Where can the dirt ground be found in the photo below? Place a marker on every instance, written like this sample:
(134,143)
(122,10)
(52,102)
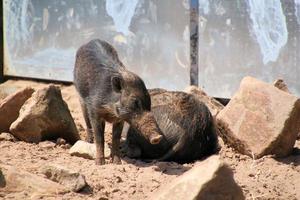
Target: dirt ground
(265,178)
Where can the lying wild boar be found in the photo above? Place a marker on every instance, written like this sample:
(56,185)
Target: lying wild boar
(187,125)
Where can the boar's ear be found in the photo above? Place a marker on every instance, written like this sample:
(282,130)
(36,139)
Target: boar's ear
(117,83)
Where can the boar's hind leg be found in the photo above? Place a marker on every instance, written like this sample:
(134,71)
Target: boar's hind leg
(171,154)
(117,131)
(90,137)
(98,125)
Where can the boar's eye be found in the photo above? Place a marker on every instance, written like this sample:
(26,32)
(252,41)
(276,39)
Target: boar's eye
(137,104)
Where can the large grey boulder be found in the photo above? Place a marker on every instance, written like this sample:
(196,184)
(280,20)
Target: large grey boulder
(10,106)
(45,116)
(260,119)
(209,179)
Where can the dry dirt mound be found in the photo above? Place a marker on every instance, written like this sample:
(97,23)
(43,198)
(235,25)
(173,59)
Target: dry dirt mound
(264,178)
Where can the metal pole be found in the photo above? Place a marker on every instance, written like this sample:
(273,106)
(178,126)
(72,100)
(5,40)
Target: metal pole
(194,19)
(1,42)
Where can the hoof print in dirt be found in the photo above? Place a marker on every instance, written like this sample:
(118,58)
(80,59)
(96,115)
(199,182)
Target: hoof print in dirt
(260,120)
(73,180)
(213,105)
(7,137)
(87,150)
(10,106)
(22,183)
(45,116)
(208,179)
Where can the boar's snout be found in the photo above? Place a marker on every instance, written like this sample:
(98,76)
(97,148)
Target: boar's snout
(146,124)
(155,139)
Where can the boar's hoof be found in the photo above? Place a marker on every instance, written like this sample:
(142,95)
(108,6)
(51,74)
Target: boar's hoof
(116,160)
(155,139)
(100,161)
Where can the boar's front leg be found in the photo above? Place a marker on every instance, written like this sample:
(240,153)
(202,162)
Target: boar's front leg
(98,126)
(117,131)
(90,136)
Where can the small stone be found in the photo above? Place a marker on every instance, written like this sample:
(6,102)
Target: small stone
(47,145)
(119,179)
(87,150)
(60,141)
(103,198)
(115,190)
(7,137)
(73,180)
(280,84)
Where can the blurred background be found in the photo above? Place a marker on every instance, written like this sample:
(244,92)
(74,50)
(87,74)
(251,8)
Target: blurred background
(235,38)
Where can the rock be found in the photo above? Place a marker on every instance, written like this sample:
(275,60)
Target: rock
(73,180)
(280,84)
(47,145)
(7,89)
(260,120)
(45,116)
(60,141)
(65,146)
(208,179)
(87,150)
(214,106)
(7,137)
(19,181)
(10,106)
(83,149)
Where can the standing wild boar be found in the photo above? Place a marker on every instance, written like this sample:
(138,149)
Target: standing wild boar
(109,92)
(187,126)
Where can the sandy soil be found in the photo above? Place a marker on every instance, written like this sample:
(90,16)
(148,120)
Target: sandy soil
(265,178)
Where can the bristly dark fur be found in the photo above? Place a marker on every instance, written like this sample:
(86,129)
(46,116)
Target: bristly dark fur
(96,63)
(187,125)
(109,92)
